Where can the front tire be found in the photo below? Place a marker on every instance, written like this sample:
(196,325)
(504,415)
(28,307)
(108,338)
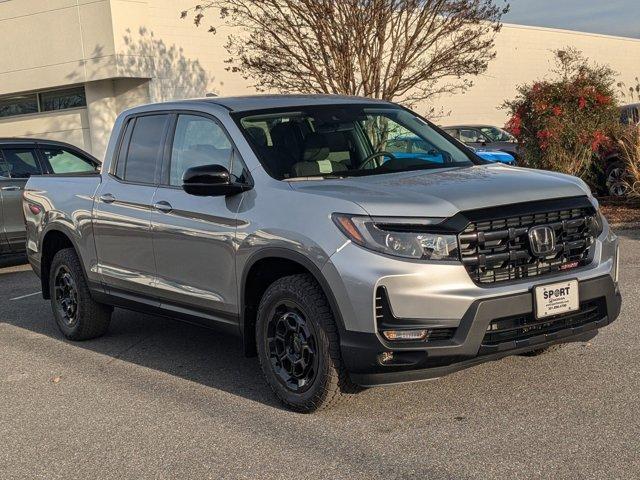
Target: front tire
(298,345)
(77,315)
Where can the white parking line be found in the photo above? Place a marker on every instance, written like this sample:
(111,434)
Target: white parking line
(25,296)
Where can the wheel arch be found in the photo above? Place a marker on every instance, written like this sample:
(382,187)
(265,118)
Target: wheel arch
(610,158)
(54,240)
(262,269)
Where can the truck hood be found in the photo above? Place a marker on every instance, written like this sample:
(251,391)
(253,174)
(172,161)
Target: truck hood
(443,193)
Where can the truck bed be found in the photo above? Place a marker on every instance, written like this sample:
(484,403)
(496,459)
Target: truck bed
(63,202)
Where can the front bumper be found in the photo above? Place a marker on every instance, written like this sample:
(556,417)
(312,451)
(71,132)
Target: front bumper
(431,294)
(361,350)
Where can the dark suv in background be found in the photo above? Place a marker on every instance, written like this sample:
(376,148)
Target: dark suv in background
(630,114)
(613,179)
(19,159)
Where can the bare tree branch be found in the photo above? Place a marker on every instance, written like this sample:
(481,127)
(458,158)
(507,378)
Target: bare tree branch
(409,50)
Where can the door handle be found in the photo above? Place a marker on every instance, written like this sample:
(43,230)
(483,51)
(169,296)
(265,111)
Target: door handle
(162,206)
(107,198)
(11,188)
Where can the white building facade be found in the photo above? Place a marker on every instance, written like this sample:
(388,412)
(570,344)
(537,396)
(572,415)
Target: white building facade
(68,67)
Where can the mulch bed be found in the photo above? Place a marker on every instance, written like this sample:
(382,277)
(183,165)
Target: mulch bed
(622,213)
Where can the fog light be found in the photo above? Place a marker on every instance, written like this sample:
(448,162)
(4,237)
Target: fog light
(385,357)
(397,335)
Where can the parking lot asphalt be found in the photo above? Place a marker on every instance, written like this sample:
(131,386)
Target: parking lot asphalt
(156,398)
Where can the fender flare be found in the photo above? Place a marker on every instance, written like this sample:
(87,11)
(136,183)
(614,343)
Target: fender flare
(292,255)
(69,234)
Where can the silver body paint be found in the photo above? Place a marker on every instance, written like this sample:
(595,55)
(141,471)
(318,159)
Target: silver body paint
(194,259)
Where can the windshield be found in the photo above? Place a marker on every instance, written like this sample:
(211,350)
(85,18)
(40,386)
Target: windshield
(347,140)
(497,134)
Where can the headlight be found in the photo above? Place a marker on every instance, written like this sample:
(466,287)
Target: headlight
(399,237)
(596,224)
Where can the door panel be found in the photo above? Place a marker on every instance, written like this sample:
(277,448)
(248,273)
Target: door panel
(13,216)
(122,213)
(194,250)
(122,228)
(4,248)
(193,237)
(16,166)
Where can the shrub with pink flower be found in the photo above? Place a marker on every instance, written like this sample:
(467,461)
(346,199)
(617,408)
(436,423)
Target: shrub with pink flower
(564,123)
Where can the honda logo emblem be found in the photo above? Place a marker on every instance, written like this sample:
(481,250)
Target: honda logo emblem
(542,241)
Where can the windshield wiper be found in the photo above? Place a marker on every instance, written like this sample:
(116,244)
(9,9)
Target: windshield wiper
(426,165)
(313,177)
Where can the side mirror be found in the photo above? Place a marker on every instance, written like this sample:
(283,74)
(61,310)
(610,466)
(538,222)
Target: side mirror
(210,181)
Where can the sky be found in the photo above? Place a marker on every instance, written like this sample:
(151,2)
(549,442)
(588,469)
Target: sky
(610,17)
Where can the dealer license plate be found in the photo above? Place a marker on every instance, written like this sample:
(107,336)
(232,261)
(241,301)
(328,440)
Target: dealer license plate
(556,298)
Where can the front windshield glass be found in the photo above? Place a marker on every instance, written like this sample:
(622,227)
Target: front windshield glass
(347,140)
(497,134)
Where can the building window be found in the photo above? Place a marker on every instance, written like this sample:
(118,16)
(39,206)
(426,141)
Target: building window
(18,105)
(42,101)
(61,99)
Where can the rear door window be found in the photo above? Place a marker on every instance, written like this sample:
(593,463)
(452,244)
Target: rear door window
(140,160)
(19,163)
(62,160)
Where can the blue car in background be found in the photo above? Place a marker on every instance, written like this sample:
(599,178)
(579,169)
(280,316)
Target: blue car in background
(494,155)
(414,147)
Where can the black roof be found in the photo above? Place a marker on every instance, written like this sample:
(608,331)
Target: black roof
(267,102)
(32,142)
(29,140)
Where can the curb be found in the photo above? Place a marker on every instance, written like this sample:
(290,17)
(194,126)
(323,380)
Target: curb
(625,226)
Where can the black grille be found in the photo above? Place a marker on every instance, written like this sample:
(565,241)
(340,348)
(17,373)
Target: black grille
(520,327)
(497,249)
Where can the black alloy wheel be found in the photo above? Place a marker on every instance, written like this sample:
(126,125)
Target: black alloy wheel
(77,314)
(66,296)
(291,345)
(299,347)
(617,180)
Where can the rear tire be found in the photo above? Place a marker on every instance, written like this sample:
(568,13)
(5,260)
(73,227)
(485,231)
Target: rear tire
(79,317)
(298,345)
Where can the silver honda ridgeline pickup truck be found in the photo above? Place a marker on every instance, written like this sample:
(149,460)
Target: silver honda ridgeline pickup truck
(342,255)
